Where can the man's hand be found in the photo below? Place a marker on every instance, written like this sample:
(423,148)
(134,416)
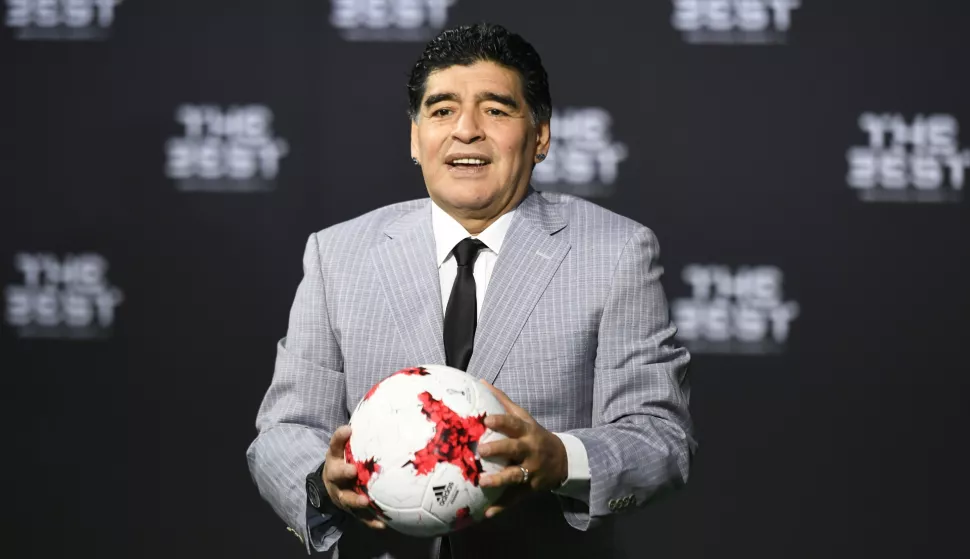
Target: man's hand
(528,445)
(340,478)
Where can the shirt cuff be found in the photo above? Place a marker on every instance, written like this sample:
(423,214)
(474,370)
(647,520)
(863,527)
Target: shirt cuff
(577,481)
(323,529)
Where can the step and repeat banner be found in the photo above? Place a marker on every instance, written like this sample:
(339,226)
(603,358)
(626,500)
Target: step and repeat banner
(803,162)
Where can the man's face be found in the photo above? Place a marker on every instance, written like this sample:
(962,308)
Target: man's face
(475,140)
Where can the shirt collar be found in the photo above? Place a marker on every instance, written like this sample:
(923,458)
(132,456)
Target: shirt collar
(448,232)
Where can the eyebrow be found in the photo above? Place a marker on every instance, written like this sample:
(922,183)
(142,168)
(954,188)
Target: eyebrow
(506,100)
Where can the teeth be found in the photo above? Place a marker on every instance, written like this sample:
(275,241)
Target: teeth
(468,161)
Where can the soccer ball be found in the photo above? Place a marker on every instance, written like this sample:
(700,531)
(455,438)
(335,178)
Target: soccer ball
(414,439)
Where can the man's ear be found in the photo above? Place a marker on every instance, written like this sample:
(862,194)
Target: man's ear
(415,152)
(543,137)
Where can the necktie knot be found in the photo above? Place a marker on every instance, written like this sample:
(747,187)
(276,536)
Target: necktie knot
(467,251)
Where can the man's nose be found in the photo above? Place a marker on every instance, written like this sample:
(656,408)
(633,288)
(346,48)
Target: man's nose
(468,127)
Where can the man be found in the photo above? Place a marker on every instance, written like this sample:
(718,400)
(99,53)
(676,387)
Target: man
(555,301)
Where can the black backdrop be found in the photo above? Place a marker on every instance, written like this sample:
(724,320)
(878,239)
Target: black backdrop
(147,277)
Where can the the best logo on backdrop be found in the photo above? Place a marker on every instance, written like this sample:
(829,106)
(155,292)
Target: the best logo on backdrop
(61,20)
(62,297)
(389,20)
(225,149)
(734,22)
(740,310)
(908,159)
(583,159)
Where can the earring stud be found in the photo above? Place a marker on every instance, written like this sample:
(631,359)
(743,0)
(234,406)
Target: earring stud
(414,160)
(541,156)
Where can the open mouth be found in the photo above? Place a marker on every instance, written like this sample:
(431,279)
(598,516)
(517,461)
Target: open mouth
(467,161)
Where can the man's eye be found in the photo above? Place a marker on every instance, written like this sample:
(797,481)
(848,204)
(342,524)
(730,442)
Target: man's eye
(497,112)
(441,112)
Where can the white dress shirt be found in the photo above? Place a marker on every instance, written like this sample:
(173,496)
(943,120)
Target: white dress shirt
(448,233)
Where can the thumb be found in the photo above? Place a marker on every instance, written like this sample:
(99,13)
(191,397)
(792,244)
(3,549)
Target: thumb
(339,441)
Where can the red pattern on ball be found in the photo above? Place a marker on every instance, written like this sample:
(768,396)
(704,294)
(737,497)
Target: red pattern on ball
(453,442)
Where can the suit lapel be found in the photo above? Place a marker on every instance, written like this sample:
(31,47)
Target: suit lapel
(530,256)
(405,264)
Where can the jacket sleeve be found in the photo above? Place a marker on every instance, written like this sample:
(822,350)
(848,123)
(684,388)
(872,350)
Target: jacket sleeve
(303,406)
(641,442)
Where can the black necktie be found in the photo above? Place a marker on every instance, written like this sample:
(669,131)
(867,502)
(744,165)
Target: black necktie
(461,318)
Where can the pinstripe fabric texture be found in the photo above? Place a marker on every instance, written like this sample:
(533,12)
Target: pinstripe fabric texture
(574,328)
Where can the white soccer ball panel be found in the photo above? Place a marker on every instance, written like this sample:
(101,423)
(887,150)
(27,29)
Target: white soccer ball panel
(487,402)
(399,488)
(453,387)
(415,522)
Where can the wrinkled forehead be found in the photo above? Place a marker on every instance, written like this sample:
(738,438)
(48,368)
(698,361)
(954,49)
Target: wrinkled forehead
(474,79)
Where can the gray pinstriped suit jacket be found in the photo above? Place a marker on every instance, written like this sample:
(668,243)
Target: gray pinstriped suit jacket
(574,327)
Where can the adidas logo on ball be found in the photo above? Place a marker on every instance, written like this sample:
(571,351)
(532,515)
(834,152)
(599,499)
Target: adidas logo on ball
(441,492)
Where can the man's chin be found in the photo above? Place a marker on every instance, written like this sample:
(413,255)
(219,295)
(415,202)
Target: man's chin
(467,200)
(473,208)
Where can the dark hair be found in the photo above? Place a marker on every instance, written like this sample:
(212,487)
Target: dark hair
(483,42)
